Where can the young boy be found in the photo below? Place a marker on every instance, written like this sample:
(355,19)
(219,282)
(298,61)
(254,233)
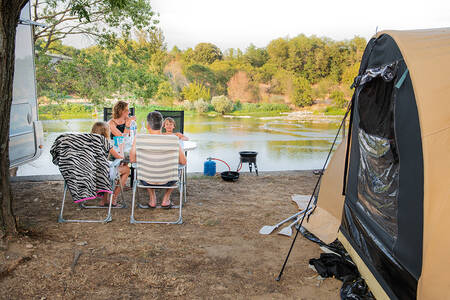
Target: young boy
(169,126)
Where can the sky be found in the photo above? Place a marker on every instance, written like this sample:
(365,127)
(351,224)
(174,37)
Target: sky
(238,23)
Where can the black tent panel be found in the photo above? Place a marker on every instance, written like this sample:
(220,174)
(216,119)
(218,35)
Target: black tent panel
(383,210)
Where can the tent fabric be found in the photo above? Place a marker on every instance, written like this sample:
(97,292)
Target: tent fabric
(326,219)
(427,55)
(414,263)
(390,244)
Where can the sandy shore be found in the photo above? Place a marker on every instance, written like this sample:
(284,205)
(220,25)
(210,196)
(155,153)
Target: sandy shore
(216,253)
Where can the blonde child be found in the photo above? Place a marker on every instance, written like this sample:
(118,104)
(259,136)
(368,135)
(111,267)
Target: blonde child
(102,128)
(169,126)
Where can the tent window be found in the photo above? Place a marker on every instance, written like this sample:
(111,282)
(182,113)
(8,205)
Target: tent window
(379,164)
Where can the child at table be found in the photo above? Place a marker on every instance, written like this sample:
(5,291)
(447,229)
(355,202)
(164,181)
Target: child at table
(102,128)
(169,126)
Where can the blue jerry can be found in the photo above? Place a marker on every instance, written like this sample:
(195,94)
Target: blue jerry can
(209,168)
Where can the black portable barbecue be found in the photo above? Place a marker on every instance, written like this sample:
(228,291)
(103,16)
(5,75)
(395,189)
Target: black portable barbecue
(250,158)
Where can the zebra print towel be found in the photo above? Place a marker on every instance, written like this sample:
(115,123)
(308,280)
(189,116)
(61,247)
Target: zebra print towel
(82,161)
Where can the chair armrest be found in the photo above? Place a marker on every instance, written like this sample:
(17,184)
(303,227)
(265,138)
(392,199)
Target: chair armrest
(113,168)
(116,162)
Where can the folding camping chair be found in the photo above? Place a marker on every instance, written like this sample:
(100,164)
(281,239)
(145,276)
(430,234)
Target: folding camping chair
(178,117)
(157,162)
(83,169)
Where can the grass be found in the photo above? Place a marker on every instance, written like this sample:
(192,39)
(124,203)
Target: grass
(330,111)
(334,111)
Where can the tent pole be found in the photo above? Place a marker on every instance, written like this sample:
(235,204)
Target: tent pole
(314,191)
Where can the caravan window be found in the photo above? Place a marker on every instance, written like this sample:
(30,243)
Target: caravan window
(379,164)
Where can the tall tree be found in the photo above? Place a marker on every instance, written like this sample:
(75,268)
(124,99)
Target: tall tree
(9,17)
(257,57)
(207,53)
(98,19)
(87,16)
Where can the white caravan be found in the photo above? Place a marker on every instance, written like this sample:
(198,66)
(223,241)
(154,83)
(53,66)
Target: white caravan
(25,133)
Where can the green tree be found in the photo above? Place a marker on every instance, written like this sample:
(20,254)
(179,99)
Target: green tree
(339,99)
(278,51)
(302,93)
(165,90)
(119,12)
(202,74)
(195,91)
(349,74)
(265,73)
(256,57)
(223,71)
(222,104)
(101,20)
(207,53)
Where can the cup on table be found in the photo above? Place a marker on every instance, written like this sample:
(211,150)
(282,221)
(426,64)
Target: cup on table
(119,144)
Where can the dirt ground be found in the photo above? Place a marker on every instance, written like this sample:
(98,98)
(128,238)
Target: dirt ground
(216,253)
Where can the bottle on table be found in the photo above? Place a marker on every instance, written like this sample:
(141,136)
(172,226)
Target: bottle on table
(133,129)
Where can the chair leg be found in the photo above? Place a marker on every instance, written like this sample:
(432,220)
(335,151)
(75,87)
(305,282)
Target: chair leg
(185,186)
(113,184)
(133,203)
(181,191)
(62,220)
(60,217)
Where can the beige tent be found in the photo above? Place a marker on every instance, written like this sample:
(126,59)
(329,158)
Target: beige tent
(394,219)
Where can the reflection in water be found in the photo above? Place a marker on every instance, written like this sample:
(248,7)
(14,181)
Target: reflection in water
(281,144)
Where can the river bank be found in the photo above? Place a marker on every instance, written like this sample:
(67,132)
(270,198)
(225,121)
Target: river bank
(216,253)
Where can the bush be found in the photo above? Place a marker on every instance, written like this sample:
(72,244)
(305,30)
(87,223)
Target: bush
(188,105)
(339,99)
(222,104)
(334,111)
(302,93)
(65,111)
(201,106)
(165,90)
(264,107)
(195,91)
(237,105)
(324,87)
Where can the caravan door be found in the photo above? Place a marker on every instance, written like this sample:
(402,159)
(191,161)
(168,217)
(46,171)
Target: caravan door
(25,133)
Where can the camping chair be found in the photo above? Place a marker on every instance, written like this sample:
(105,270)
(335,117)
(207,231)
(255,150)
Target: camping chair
(157,162)
(85,172)
(106,220)
(178,116)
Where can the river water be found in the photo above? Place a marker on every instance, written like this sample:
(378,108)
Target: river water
(282,143)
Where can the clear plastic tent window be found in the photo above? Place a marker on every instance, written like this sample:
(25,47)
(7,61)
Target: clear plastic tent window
(378,180)
(378,174)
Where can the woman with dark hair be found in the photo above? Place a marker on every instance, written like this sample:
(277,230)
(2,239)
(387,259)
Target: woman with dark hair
(121,121)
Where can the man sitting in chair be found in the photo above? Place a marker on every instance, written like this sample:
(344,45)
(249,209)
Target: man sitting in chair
(154,126)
